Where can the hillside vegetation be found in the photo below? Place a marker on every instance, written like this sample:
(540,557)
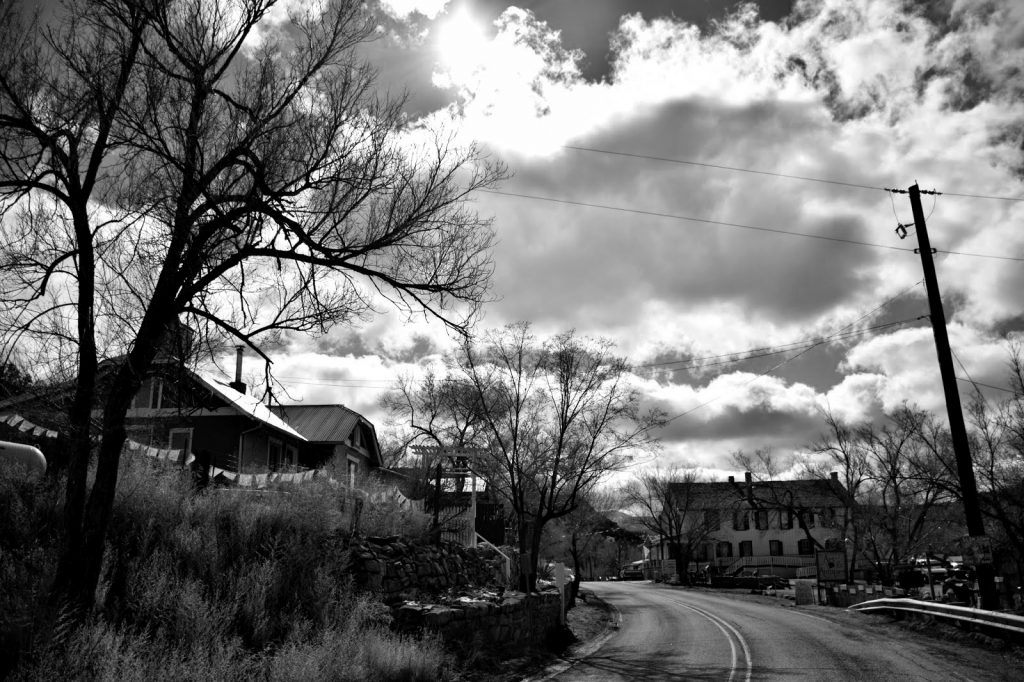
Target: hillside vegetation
(222,585)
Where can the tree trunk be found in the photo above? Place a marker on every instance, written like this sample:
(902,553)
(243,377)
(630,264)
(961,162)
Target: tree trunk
(81,561)
(79,441)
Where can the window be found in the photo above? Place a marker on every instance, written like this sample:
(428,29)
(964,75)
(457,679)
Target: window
(741,520)
(723,549)
(775,547)
(828,517)
(761,519)
(291,455)
(712,519)
(181,439)
(807,515)
(746,548)
(353,471)
(156,391)
(785,519)
(274,451)
(805,547)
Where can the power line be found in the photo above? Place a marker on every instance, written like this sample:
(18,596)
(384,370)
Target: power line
(981,383)
(980,255)
(695,220)
(785,347)
(981,196)
(722,223)
(765,373)
(697,364)
(721,167)
(807,178)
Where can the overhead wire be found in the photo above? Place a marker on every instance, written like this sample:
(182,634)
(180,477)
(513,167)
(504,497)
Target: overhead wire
(675,216)
(722,167)
(738,169)
(799,343)
(723,223)
(697,364)
(759,376)
(803,352)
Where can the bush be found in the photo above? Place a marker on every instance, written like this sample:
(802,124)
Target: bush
(222,585)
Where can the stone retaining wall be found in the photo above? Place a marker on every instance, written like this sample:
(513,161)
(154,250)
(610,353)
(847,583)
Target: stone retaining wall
(517,620)
(393,566)
(443,589)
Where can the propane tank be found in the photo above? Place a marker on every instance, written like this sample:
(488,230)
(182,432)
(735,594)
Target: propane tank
(23,456)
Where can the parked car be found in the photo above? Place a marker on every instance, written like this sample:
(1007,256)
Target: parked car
(632,572)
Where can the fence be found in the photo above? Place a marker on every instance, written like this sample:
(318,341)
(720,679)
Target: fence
(1005,625)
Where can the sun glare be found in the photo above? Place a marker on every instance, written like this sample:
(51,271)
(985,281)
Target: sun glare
(461,39)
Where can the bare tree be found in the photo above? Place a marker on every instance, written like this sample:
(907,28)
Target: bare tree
(668,502)
(191,161)
(897,481)
(553,418)
(847,456)
(998,454)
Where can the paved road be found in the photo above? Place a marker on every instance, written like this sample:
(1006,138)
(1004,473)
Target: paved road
(679,634)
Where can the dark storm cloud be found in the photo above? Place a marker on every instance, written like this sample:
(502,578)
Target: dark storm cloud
(757,424)
(620,259)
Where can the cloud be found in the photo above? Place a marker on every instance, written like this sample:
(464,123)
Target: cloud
(402,9)
(879,93)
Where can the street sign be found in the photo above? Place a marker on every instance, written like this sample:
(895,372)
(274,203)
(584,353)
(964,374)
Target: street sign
(976,550)
(831,566)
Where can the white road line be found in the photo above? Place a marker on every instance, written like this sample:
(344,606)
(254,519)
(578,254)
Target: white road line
(722,624)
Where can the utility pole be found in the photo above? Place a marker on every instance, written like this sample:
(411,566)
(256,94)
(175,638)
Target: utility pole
(957,428)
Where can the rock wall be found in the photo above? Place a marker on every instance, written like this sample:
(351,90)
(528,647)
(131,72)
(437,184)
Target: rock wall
(516,620)
(455,592)
(397,568)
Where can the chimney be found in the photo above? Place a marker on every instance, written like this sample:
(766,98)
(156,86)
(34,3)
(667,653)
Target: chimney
(237,383)
(732,479)
(834,476)
(750,487)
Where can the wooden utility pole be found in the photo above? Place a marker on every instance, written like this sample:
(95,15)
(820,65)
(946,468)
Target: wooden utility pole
(957,428)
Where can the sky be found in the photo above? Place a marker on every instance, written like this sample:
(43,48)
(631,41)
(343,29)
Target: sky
(696,179)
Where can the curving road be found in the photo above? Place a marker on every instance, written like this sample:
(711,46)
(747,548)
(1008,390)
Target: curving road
(682,634)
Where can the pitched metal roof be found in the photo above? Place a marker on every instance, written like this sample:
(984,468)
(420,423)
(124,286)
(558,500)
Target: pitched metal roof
(247,405)
(321,423)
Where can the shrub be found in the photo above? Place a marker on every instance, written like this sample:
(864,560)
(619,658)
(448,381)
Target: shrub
(221,585)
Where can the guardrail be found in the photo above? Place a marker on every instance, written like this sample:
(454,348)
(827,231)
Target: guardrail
(1006,625)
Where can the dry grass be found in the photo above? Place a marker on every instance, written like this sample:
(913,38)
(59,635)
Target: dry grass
(215,586)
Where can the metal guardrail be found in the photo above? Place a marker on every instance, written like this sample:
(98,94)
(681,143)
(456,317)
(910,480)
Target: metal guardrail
(1007,624)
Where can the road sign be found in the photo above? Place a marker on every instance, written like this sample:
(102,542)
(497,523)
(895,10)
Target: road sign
(831,566)
(976,550)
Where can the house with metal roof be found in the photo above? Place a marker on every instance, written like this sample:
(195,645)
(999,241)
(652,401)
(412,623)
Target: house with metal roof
(336,438)
(214,421)
(184,415)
